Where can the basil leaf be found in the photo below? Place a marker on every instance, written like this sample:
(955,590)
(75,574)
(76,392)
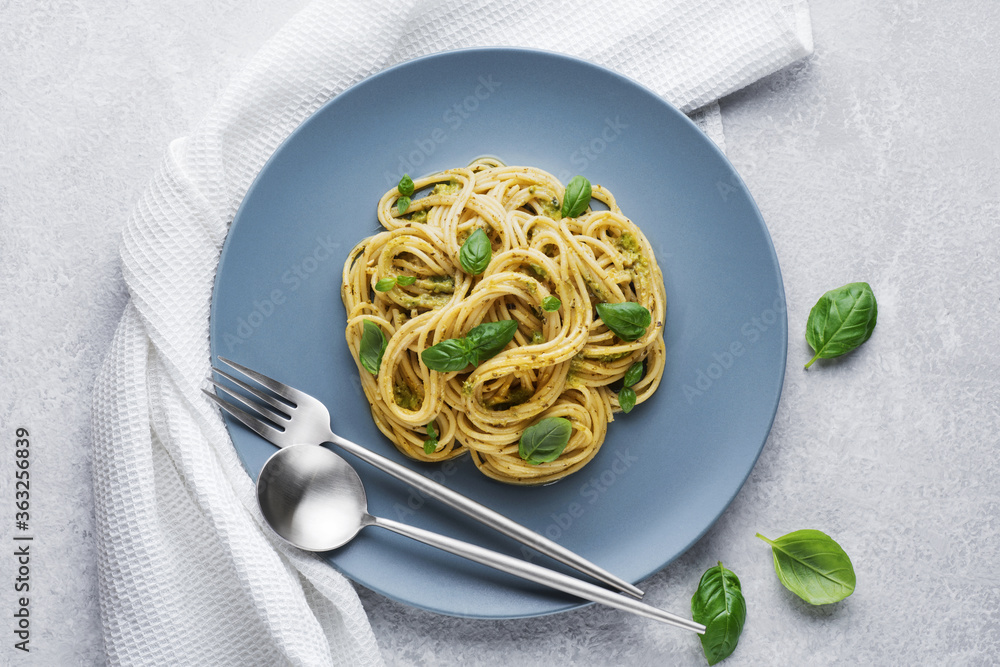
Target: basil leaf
(633,374)
(629,319)
(576,199)
(431,443)
(810,564)
(545,441)
(626,399)
(482,342)
(841,320)
(449,355)
(476,253)
(489,338)
(405,186)
(550,304)
(718,604)
(385,284)
(402,204)
(373,344)
(405,281)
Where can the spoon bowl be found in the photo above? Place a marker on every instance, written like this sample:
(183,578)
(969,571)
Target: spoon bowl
(312,498)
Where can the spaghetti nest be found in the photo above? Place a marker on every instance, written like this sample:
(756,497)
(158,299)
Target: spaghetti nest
(560,363)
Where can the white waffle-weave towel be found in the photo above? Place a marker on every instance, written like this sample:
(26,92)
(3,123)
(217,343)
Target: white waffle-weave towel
(187,573)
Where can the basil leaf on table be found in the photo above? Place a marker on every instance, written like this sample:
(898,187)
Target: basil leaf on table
(373,344)
(626,399)
(841,320)
(718,604)
(629,320)
(551,304)
(481,343)
(576,199)
(405,186)
(476,253)
(545,441)
(812,565)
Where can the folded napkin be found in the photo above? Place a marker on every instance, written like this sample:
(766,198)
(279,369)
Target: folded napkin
(188,573)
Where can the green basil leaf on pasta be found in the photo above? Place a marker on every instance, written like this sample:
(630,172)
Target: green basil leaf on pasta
(482,342)
(405,186)
(545,441)
(405,281)
(812,565)
(431,443)
(449,355)
(576,199)
(402,204)
(633,374)
(476,253)
(841,320)
(373,344)
(550,304)
(489,338)
(718,604)
(385,284)
(628,320)
(626,399)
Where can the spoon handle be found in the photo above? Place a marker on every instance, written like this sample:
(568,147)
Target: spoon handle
(537,574)
(485,515)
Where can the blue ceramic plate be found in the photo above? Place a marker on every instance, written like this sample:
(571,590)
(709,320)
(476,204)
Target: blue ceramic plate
(667,470)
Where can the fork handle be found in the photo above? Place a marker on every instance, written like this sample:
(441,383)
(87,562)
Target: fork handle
(486,515)
(537,574)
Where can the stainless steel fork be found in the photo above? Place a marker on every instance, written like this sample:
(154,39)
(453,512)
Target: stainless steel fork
(293,417)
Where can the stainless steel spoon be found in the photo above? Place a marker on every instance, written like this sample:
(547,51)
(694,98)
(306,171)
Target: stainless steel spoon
(314,500)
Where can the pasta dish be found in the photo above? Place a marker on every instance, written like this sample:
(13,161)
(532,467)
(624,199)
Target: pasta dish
(503,314)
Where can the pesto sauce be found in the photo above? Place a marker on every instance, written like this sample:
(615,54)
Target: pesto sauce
(430,301)
(610,357)
(406,397)
(628,243)
(437,284)
(630,246)
(539,271)
(515,397)
(449,188)
(595,290)
(552,209)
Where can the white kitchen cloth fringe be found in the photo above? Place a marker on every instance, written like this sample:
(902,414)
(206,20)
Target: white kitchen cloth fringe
(188,575)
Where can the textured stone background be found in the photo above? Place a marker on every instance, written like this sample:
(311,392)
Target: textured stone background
(877,159)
